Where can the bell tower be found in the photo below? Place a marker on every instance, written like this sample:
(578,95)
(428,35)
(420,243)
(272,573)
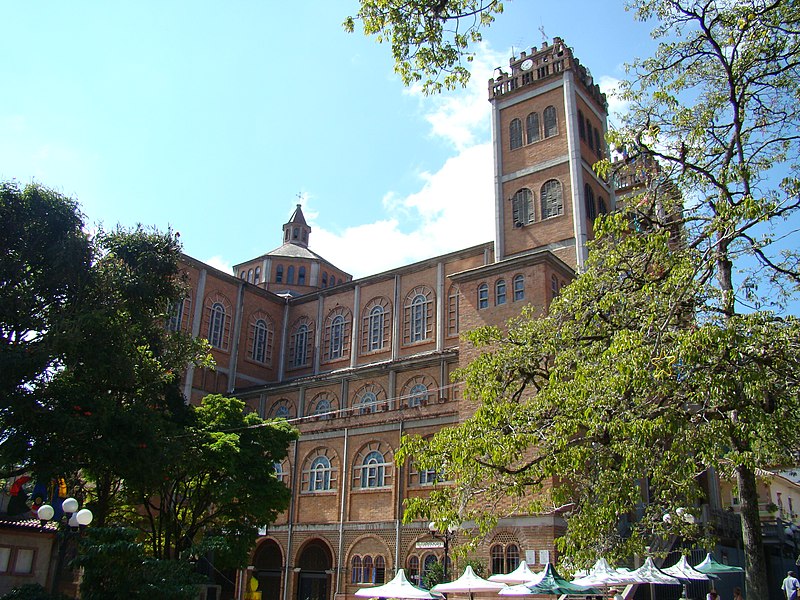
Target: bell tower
(549,120)
(296,231)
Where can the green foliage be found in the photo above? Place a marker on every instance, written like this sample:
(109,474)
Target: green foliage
(218,486)
(429,38)
(433,575)
(116,565)
(32,591)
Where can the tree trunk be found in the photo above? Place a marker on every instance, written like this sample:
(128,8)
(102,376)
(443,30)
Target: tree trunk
(755,562)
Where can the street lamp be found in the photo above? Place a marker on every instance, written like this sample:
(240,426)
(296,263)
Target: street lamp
(72,521)
(446,536)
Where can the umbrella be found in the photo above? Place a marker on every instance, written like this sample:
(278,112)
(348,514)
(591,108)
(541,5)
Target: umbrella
(399,587)
(650,573)
(468,583)
(547,582)
(683,570)
(604,575)
(709,565)
(521,574)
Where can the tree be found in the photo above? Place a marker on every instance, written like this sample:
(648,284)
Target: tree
(662,361)
(217,486)
(429,38)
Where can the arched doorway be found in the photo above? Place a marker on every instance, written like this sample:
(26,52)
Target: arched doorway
(315,564)
(267,562)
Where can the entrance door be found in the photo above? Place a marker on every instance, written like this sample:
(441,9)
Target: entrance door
(315,562)
(312,586)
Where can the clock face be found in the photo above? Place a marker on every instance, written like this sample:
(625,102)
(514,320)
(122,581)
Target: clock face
(526,64)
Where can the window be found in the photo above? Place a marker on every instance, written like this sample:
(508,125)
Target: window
(483,296)
(216,325)
(453,298)
(515,133)
(500,292)
(23,561)
(282,411)
(337,338)
(250,276)
(175,315)
(375,325)
(299,344)
(581,126)
(320,479)
(280,473)
(257,277)
(519,288)
(427,564)
(419,320)
(504,559)
(550,122)
(290,274)
(552,202)
(243,274)
(418,395)
(512,557)
(324,279)
(591,212)
(372,470)
(532,127)
(5,558)
(498,559)
(279,274)
(323,408)
(295,233)
(522,205)
(589,137)
(553,286)
(301,276)
(368,403)
(380,570)
(601,206)
(355,570)
(597,147)
(260,334)
(413,570)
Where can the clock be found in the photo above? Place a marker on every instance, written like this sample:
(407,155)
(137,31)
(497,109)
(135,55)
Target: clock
(526,64)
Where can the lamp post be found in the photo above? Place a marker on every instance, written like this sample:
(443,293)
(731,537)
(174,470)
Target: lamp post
(72,521)
(446,536)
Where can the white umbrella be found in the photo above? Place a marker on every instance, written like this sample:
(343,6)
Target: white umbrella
(604,575)
(683,570)
(399,587)
(650,573)
(468,583)
(521,574)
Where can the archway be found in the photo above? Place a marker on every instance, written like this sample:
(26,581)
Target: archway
(267,562)
(315,563)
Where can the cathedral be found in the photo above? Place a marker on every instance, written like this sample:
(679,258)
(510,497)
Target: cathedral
(355,364)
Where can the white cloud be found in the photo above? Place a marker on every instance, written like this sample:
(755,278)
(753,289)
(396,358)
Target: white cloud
(218,262)
(616,106)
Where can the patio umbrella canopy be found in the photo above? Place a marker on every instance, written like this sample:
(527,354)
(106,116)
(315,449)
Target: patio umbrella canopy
(547,582)
(650,573)
(709,565)
(683,570)
(521,574)
(604,575)
(468,583)
(399,587)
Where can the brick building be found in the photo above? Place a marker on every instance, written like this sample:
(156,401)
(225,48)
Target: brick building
(356,364)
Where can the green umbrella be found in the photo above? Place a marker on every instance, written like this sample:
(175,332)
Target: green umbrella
(710,566)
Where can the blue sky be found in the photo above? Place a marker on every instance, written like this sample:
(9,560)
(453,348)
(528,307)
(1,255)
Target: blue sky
(217,118)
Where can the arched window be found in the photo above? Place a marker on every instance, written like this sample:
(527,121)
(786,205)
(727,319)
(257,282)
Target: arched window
(552,201)
(295,233)
(301,276)
(413,570)
(519,287)
(498,559)
(418,395)
(323,408)
(512,557)
(243,274)
(216,325)
(337,337)
(174,317)
(550,122)
(355,569)
(366,569)
(279,473)
(260,341)
(324,279)
(591,212)
(419,318)
(376,318)
(320,479)
(281,412)
(380,570)
(601,206)
(589,137)
(368,403)
(553,286)
(373,470)
(300,345)
(483,296)
(581,126)
(427,564)
(515,133)
(453,298)
(532,127)
(522,205)
(500,292)
(597,147)
(290,274)
(257,277)
(250,276)
(279,274)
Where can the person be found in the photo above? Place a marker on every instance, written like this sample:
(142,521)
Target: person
(712,595)
(737,593)
(790,586)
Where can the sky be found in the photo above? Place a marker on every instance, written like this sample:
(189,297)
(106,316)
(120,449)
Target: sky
(215,119)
